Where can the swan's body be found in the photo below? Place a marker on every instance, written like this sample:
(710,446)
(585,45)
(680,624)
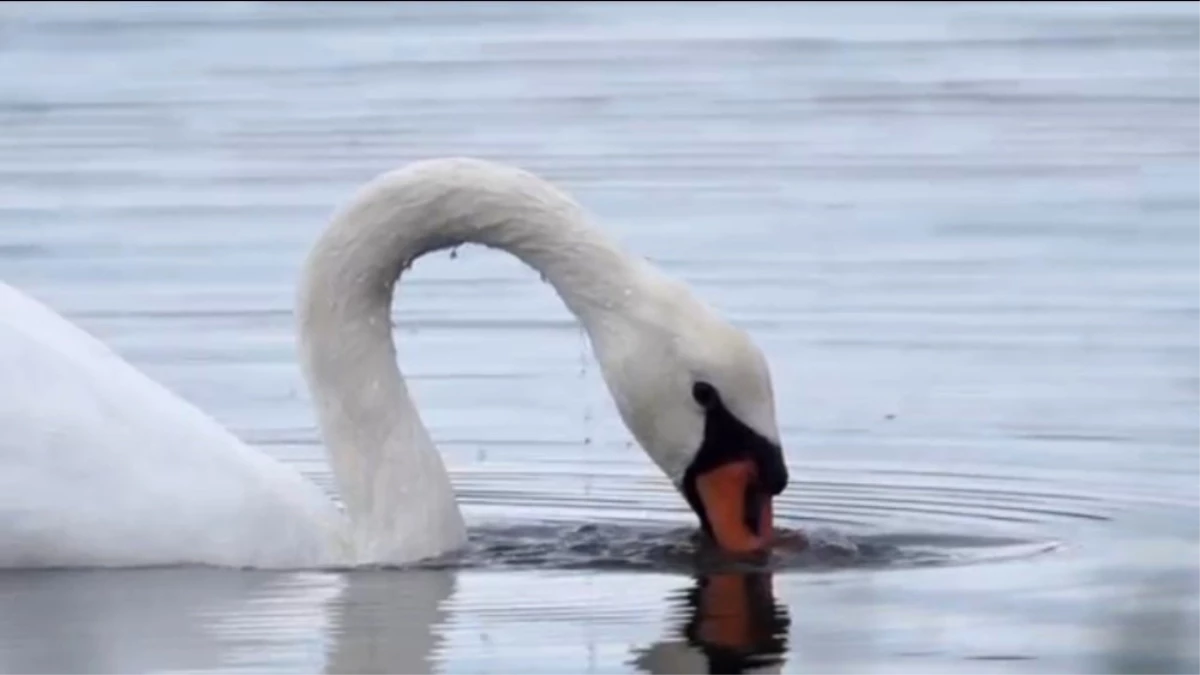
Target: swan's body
(99,465)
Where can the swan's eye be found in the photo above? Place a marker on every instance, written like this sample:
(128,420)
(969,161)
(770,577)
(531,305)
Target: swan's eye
(706,395)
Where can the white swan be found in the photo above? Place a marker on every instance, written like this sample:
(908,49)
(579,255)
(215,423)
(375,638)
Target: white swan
(101,466)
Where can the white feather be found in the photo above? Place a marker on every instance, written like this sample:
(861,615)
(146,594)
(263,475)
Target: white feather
(99,465)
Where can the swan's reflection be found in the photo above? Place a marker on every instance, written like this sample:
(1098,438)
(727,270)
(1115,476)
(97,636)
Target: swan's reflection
(192,619)
(732,624)
(385,621)
(143,620)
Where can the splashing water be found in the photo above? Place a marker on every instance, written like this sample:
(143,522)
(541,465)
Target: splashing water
(660,548)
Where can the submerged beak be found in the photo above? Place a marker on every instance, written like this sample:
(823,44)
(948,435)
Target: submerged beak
(737,510)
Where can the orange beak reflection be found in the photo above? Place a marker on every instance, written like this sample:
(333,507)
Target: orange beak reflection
(738,512)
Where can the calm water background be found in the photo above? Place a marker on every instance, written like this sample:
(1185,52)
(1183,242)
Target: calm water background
(965,236)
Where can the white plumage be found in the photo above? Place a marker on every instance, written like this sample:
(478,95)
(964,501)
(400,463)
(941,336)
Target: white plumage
(101,466)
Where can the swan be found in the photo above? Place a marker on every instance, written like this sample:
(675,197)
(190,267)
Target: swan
(100,466)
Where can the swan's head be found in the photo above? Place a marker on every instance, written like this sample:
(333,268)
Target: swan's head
(696,393)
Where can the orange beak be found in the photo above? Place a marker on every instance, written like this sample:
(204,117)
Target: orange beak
(730,496)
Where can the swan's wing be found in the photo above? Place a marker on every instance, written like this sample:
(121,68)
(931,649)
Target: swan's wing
(100,465)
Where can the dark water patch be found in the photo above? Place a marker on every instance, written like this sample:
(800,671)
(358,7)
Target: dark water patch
(19,251)
(665,548)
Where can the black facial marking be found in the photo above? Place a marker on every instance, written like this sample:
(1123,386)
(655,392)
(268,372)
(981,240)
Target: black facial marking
(706,395)
(728,439)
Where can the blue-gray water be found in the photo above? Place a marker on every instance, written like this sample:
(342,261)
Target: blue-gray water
(964,234)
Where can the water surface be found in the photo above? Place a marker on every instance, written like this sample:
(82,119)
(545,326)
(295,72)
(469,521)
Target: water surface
(965,235)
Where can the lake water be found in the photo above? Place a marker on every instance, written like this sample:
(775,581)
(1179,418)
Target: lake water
(965,235)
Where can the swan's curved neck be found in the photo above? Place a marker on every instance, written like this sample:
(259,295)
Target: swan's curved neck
(392,480)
